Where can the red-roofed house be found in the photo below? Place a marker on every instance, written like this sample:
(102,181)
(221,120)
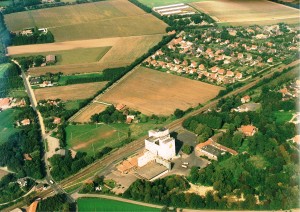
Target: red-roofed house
(201,67)
(120,107)
(248,130)
(56,120)
(214,69)
(230,74)
(239,75)
(245,99)
(25,122)
(270,60)
(4,103)
(221,72)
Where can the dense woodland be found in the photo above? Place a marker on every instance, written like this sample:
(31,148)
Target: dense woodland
(26,141)
(65,166)
(57,202)
(11,190)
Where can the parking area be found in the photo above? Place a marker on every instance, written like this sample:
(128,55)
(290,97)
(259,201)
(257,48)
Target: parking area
(123,181)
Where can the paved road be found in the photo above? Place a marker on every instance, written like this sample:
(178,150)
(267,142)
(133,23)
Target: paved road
(134,146)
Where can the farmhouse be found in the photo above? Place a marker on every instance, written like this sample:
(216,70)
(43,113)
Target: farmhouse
(248,130)
(56,120)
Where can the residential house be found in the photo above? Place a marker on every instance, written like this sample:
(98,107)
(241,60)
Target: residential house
(25,122)
(201,67)
(248,130)
(239,75)
(22,182)
(176,61)
(27,156)
(193,64)
(240,56)
(245,99)
(214,69)
(270,60)
(229,74)
(120,107)
(56,120)
(221,72)
(5,103)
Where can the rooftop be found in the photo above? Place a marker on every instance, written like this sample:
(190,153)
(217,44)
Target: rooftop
(212,150)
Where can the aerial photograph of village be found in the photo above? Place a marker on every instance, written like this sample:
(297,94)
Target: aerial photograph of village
(149,105)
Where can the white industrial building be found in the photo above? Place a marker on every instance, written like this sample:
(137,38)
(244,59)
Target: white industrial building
(160,147)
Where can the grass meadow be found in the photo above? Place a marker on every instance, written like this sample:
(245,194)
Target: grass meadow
(98,204)
(75,56)
(7,124)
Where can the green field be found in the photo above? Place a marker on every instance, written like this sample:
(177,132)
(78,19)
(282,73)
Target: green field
(73,105)
(75,56)
(156,3)
(91,138)
(283,117)
(7,124)
(63,79)
(98,204)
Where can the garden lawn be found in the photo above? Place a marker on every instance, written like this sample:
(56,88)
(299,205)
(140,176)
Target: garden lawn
(73,105)
(98,204)
(283,117)
(7,124)
(63,79)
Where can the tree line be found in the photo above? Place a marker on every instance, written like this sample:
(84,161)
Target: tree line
(36,38)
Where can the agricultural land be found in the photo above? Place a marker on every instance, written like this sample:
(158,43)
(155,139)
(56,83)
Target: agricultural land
(99,19)
(97,204)
(248,12)
(153,92)
(85,115)
(69,92)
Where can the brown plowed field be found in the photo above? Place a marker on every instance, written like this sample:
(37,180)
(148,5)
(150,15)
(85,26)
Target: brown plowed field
(69,92)
(154,92)
(103,19)
(248,12)
(92,109)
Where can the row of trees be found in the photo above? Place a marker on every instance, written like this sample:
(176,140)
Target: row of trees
(109,115)
(36,38)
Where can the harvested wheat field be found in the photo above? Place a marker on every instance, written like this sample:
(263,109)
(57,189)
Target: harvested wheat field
(248,12)
(69,92)
(89,110)
(89,21)
(123,52)
(154,92)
